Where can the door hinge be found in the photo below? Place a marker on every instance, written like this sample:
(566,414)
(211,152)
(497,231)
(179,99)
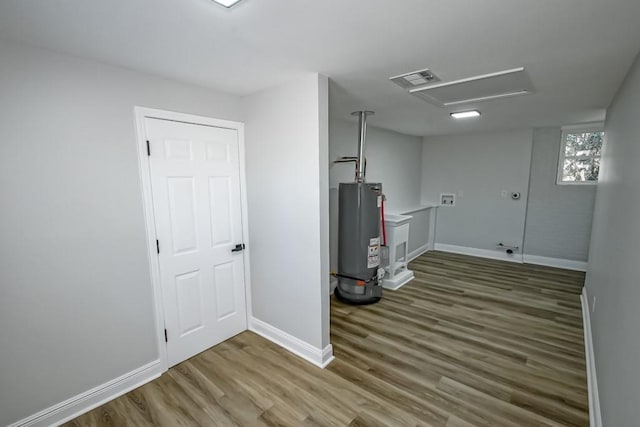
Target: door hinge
(166,339)
(158,245)
(148,148)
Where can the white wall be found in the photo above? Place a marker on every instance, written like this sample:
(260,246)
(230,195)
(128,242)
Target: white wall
(421,231)
(394,159)
(558,216)
(614,270)
(477,168)
(287,194)
(76,304)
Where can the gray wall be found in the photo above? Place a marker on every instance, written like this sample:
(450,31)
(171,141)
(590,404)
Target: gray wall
(288,215)
(558,216)
(613,278)
(394,159)
(76,304)
(478,167)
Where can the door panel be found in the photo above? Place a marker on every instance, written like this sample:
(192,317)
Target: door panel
(221,201)
(176,149)
(223,278)
(195,180)
(183,215)
(188,296)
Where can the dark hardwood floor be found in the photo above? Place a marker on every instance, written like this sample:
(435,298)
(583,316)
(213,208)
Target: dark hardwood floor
(469,342)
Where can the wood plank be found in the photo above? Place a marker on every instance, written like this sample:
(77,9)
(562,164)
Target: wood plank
(469,342)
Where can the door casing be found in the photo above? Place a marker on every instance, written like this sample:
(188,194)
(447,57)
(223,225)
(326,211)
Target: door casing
(140,114)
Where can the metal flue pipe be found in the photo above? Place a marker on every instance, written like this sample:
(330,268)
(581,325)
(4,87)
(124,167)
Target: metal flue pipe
(362,136)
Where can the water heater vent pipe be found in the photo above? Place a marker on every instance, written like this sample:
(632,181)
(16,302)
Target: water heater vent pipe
(362,136)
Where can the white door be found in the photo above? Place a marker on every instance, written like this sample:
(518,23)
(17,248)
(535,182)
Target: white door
(195,181)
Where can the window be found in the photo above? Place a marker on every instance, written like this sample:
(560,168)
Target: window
(580,153)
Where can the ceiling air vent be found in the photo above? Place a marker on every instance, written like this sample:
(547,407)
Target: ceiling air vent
(502,84)
(415,79)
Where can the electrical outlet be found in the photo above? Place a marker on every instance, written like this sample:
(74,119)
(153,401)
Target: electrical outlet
(593,305)
(447,199)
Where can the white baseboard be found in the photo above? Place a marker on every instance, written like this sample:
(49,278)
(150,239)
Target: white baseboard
(327,356)
(416,253)
(314,355)
(567,264)
(482,253)
(595,418)
(501,255)
(399,280)
(84,402)
(332,285)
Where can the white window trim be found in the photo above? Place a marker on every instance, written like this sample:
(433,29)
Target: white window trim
(588,127)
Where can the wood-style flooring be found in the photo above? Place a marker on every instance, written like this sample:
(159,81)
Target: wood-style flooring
(469,342)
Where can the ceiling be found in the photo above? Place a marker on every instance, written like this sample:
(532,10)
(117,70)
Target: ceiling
(576,52)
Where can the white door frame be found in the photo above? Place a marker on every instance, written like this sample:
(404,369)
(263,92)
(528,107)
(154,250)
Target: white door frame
(145,180)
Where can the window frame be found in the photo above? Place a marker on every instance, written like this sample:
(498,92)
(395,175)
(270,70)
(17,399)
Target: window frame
(589,127)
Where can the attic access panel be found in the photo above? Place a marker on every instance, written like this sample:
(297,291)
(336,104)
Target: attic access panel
(485,87)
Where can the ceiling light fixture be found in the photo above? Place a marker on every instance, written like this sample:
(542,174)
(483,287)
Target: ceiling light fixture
(465,114)
(227,3)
